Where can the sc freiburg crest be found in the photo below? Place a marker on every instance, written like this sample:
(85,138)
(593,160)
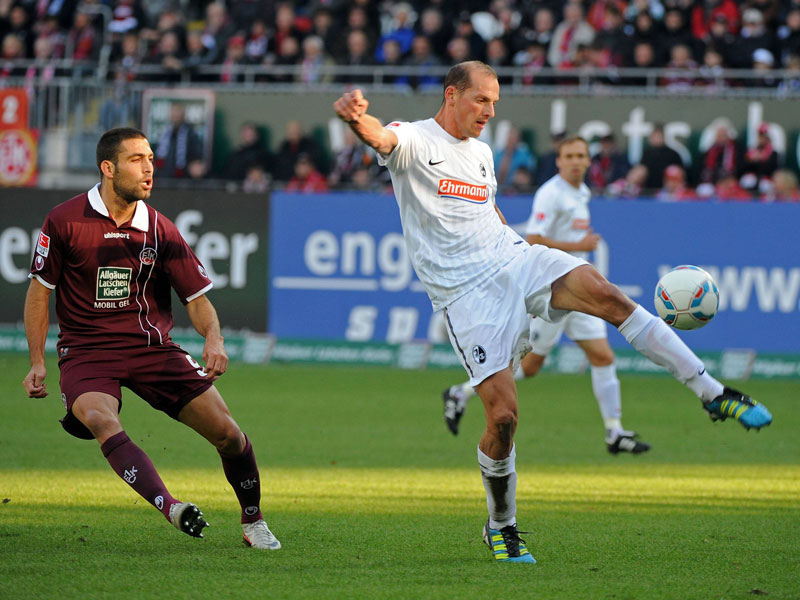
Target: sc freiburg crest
(479,354)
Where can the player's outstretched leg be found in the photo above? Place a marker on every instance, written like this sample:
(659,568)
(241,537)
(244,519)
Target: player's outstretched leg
(455,403)
(186,517)
(654,339)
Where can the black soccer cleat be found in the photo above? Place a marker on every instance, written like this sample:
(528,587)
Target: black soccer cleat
(454,405)
(188,518)
(627,442)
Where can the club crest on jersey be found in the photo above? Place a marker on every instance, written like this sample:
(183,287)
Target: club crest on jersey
(461,190)
(38,262)
(479,354)
(148,256)
(483,170)
(43,244)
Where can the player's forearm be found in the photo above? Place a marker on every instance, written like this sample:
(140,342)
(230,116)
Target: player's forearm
(204,318)
(36,319)
(551,243)
(370,131)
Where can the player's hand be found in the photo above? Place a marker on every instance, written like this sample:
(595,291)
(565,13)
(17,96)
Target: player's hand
(589,242)
(351,106)
(215,357)
(34,382)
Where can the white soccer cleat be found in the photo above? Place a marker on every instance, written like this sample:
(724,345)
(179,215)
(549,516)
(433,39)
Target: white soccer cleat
(258,535)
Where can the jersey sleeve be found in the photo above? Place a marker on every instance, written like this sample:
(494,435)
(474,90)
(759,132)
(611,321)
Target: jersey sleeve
(47,255)
(186,273)
(543,213)
(405,151)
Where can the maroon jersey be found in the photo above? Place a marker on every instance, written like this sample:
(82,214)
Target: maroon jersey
(113,283)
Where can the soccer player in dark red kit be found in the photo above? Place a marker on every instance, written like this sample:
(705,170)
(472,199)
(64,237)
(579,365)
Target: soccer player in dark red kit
(113,259)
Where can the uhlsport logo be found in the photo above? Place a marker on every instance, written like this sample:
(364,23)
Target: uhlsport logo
(148,256)
(479,354)
(461,190)
(159,502)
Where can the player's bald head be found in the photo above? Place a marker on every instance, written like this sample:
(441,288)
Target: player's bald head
(460,75)
(108,147)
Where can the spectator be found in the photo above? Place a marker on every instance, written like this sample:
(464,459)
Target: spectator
(11,52)
(515,154)
(704,13)
(323,26)
(722,40)
(680,75)
(49,29)
(611,37)
(259,43)
(791,82)
(607,166)
(759,162)
(644,57)
(289,25)
(674,188)
(306,178)
(169,21)
(676,33)
(645,31)
(288,55)
(127,16)
(546,167)
(721,159)
(532,60)
(235,58)
(358,55)
(197,57)
(357,20)
(711,71)
(497,57)
(19,25)
(432,25)
(256,180)
(728,189)
(753,35)
(657,157)
(398,27)
(423,60)
(521,183)
(543,27)
(294,144)
(250,152)
(650,7)
(458,50)
(81,38)
(218,28)
(763,62)
(169,58)
(784,187)
(568,35)
(315,62)
(244,13)
(177,146)
(789,36)
(122,108)
(351,157)
(631,186)
(465,30)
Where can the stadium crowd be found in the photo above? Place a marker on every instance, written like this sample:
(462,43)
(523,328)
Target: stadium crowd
(696,43)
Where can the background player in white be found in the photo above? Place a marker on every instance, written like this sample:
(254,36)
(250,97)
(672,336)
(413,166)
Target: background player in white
(487,280)
(560,219)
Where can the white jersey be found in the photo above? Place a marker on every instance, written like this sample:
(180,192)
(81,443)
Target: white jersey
(445,189)
(561,212)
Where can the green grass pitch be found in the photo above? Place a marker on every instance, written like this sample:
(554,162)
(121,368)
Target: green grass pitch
(373,498)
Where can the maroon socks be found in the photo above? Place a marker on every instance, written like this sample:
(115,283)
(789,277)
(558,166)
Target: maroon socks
(134,466)
(242,473)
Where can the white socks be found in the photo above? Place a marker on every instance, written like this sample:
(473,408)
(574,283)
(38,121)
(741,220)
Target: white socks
(654,339)
(606,390)
(500,482)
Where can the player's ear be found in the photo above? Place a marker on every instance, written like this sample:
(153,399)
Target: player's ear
(108,169)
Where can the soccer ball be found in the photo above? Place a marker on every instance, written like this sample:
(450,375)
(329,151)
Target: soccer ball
(687,297)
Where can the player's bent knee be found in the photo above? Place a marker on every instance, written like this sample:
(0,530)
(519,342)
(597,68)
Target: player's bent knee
(229,440)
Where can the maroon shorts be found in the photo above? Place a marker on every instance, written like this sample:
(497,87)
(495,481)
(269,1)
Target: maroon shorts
(165,376)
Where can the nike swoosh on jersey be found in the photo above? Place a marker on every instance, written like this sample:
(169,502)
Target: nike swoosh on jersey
(433,164)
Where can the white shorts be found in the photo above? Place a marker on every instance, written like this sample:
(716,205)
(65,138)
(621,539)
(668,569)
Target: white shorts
(578,326)
(489,325)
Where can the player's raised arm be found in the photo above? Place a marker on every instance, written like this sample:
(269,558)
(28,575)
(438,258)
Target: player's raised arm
(352,109)
(37,318)
(205,321)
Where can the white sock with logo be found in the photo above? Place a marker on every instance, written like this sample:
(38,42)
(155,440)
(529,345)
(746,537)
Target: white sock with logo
(605,385)
(654,339)
(500,483)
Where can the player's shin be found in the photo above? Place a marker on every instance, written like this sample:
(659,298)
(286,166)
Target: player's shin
(135,467)
(241,471)
(655,340)
(500,482)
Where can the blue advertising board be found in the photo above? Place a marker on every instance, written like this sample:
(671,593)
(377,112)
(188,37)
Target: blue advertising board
(339,268)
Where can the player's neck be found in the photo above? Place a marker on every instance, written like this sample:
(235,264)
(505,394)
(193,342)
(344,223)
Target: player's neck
(118,209)
(575,184)
(448,123)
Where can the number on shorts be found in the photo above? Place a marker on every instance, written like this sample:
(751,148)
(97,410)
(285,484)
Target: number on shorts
(200,370)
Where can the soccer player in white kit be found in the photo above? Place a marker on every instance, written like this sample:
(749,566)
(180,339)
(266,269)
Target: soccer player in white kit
(560,219)
(487,279)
